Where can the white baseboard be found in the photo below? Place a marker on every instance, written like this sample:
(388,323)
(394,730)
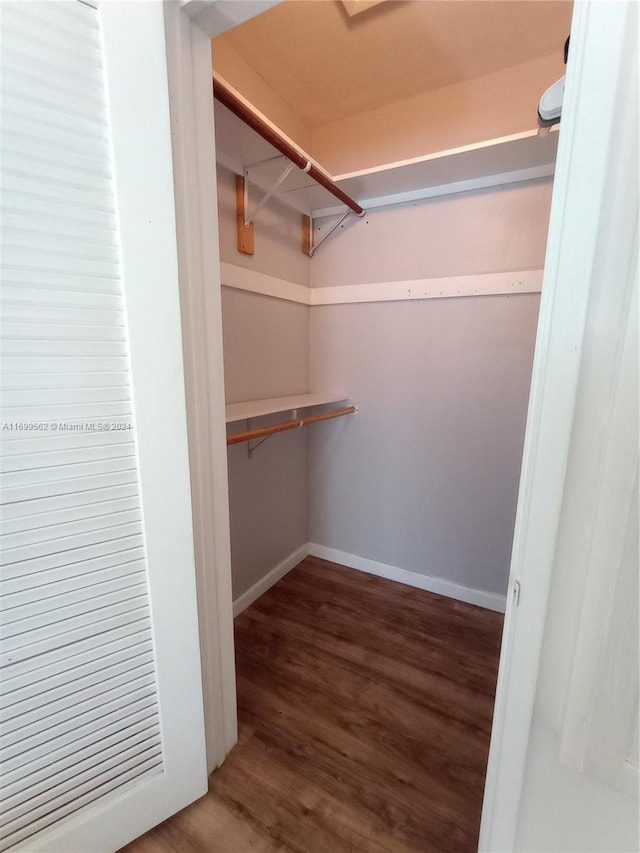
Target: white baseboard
(279,571)
(440,586)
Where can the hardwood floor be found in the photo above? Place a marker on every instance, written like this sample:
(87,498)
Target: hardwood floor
(365,713)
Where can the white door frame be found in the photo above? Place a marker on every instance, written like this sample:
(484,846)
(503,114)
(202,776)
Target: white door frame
(191,107)
(587,130)
(578,220)
(189,28)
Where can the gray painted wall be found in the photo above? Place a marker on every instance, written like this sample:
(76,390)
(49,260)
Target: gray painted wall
(266,354)
(268,505)
(266,346)
(496,230)
(425,476)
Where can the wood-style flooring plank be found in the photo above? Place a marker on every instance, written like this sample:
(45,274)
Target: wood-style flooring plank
(364,709)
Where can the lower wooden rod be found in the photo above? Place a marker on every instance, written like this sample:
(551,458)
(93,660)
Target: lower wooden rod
(326,416)
(264,432)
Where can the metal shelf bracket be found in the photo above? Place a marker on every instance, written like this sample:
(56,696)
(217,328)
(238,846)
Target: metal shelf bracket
(250,216)
(253,444)
(309,245)
(245,218)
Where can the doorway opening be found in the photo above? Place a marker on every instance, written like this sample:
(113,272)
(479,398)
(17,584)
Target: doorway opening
(422,314)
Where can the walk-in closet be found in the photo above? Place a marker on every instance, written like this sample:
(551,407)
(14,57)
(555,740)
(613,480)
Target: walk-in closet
(399,302)
(319,436)
(420,312)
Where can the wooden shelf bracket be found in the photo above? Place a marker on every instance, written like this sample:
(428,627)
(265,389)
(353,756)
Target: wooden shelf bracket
(244,229)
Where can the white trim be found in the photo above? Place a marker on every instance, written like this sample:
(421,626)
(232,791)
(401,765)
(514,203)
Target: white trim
(590,126)
(217,16)
(532,173)
(194,175)
(272,577)
(439,586)
(240,278)
(449,287)
(602,689)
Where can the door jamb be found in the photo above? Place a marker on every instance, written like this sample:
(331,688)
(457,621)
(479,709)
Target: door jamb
(588,128)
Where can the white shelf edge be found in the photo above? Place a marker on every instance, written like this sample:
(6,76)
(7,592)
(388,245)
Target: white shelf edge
(528,174)
(439,155)
(274,405)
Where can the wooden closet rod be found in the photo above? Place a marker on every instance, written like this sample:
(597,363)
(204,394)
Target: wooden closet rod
(262,432)
(265,432)
(326,416)
(223,94)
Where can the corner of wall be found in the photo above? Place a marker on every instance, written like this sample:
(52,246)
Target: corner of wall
(228,62)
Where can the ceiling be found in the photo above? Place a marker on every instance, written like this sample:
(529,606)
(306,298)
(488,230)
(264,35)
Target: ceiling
(327,65)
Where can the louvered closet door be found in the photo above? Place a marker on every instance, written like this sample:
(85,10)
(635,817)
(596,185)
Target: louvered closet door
(100,728)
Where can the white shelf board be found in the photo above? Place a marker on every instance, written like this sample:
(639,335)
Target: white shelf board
(504,160)
(274,405)
(507,159)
